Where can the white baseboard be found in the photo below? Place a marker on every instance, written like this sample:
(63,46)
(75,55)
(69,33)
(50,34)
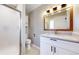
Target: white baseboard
(35,46)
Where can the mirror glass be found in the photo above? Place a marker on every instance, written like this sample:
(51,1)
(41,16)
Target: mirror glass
(58,20)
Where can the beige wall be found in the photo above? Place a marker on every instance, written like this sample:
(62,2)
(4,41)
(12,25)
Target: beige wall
(36,23)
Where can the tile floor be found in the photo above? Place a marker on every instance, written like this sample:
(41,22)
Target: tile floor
(32,51)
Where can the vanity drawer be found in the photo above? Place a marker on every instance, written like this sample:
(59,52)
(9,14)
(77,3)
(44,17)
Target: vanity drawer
(71,46)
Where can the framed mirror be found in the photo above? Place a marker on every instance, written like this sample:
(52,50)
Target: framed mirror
(61,20)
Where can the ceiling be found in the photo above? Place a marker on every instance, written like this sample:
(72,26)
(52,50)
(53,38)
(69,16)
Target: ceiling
(31,7)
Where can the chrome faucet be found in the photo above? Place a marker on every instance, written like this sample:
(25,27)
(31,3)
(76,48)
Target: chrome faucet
(55,32)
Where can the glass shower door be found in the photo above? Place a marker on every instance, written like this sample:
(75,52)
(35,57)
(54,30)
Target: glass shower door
(9,31)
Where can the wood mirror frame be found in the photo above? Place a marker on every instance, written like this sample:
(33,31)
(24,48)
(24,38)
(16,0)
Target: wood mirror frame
(70,26)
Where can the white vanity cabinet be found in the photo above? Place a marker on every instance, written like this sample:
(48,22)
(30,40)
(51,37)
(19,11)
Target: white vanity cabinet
(56,46)
(45,46)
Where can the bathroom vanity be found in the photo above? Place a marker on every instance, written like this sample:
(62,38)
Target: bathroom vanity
(59,44)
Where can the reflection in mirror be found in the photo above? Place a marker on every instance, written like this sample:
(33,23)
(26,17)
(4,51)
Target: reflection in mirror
(58,21)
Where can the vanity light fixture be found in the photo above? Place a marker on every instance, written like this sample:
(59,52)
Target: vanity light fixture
(63,5)
(48,11)
(55,8)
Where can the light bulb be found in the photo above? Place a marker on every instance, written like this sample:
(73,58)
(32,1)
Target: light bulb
(58,7)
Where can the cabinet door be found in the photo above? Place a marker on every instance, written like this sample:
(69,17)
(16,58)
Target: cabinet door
(45,46)
(61,51)
(70,46)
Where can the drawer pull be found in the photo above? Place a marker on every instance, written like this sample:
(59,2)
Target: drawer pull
(51,48)
(54,49)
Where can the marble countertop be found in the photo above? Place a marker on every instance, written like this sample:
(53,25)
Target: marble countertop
(65,37)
